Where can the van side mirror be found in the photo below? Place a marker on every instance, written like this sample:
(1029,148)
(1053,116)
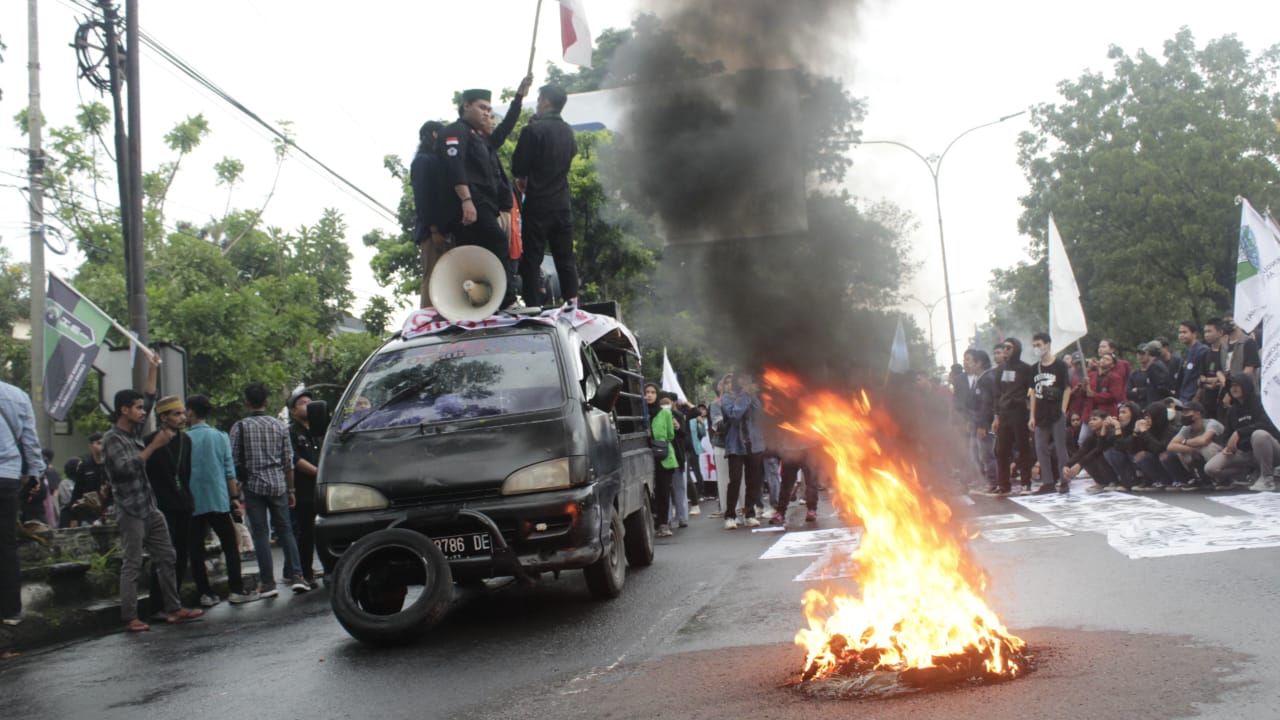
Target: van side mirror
(607,393)
(317,418)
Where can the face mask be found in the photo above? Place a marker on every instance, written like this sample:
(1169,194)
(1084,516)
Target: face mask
(666,407)
(1171,413)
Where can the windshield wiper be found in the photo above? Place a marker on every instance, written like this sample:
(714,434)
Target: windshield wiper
(397,397)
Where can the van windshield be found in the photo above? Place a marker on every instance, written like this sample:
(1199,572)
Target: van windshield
(443,382)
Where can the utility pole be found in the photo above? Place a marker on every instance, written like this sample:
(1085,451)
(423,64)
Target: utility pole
(137,269)
(35,183)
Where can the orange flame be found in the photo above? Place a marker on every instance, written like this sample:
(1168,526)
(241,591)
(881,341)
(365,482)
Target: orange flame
(921,593)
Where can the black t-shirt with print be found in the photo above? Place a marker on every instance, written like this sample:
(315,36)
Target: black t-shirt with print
(1050,383)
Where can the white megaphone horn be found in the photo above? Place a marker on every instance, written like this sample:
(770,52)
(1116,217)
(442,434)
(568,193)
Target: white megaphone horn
(468,283)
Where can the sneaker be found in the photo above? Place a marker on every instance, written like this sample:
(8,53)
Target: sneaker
(1095,488)
(989,490)
(1115,486)
(266,593)
(1142,488)
(1006,493)
(298,585)
(1064,488)
(1177,485)
(1157,486)
(1224,485)
(730,524)
(811,516)
(242,598)
(695,510)
(14,621)
(777,519)
(665,531)
(208,600)
(1044,489)
(1264,484)
(1026,490)
(315,584)
(751,522)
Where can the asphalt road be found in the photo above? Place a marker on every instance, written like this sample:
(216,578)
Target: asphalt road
(705,632)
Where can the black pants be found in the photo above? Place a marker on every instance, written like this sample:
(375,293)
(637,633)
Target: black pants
(661,494)
(187,555)
(1013,437)
(789,471)
(753,467)
(224,527)
(543,230)
(10,572)
(304,521)
(487,233)
(1100,470)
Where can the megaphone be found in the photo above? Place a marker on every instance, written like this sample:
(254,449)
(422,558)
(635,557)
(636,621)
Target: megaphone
(468,283)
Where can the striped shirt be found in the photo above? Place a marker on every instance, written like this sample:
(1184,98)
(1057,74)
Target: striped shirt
(260,444)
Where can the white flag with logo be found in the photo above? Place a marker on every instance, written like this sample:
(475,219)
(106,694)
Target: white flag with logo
(670,382)
(898,360)
(1066,316)
(1257,263)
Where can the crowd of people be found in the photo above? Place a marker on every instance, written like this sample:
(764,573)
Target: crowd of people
(728,451)
(167,491)
(1188,421)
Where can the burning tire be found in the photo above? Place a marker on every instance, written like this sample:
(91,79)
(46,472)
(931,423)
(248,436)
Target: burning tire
(391,587)
(640,534)
(606,575)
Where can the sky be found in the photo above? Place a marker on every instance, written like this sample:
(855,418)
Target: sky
(357,80)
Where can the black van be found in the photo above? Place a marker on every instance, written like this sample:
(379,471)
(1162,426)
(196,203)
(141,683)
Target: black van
(467,454)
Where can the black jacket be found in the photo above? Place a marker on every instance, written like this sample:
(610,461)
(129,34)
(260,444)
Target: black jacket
(431,202)
(1013,382)
(169,472)
(984,398)
(468,161)
(544,155)
(1247,414)
(1147,386)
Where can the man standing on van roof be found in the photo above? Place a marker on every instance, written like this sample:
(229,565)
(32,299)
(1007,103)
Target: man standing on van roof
(541,165)
(473,179)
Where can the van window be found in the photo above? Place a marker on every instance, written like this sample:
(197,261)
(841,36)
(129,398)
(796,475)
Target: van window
(444,382)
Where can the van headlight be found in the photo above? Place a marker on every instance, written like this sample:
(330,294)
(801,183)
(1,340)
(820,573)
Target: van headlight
(342,497)
(555,474)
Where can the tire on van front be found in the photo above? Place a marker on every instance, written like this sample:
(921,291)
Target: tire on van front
(371,585)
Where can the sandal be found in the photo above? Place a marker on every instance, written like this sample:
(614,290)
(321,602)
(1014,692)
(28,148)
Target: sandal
(137,626)
(184,615)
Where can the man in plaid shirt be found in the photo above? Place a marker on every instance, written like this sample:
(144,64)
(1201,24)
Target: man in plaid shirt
(261,450)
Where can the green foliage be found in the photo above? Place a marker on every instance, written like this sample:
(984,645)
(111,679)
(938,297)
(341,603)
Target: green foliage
(247,304)
(15,307)
(1140,168)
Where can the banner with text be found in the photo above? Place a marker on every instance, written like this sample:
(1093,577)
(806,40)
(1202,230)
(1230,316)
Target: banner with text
(74,332)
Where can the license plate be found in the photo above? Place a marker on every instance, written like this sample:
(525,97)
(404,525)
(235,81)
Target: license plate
(469,545)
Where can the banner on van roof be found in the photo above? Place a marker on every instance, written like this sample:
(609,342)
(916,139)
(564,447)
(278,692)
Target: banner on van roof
(590,326)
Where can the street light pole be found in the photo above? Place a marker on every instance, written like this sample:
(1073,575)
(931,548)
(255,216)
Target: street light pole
(929,308)
(934,166)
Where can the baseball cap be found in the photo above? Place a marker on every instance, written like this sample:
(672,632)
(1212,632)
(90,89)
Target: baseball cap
(1191,406)
(298,395)
(1151,348)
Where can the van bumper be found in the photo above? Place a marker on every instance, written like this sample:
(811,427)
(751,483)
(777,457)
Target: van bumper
(530,534)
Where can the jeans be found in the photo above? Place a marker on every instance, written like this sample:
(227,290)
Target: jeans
(277,506)
(10,571)
(150,533)
(984,455)
(789,472)
(1122,464)
(679,495)
(752,466)
(1011,438)
(224,527)
(1056,433)
(773,477)
(1151,468)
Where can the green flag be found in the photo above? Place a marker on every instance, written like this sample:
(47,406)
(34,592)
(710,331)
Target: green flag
(74,332)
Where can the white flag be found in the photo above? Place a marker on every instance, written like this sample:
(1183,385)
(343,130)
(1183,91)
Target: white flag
(670,382)
(575,36)
(1257,264)
(1066,316)
(898,360)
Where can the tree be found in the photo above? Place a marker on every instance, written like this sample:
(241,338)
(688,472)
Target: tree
(15,307)
(1140,168)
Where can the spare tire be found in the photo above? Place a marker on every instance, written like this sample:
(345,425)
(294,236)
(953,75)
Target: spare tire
(372,581)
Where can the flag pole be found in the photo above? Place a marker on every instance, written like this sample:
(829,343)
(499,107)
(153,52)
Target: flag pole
(533,46)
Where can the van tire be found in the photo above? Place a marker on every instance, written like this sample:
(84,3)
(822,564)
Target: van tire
(353,590)
(640,533)
(606,576)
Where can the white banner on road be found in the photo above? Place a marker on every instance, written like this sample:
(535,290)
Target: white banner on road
(1145,538)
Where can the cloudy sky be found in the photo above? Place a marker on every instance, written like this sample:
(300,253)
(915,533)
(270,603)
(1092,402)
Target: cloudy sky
(357,79)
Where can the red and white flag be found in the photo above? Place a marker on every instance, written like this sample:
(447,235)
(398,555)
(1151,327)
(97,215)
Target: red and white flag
(574,33)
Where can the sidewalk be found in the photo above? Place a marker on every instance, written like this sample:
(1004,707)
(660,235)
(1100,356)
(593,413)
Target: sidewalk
(93,618)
